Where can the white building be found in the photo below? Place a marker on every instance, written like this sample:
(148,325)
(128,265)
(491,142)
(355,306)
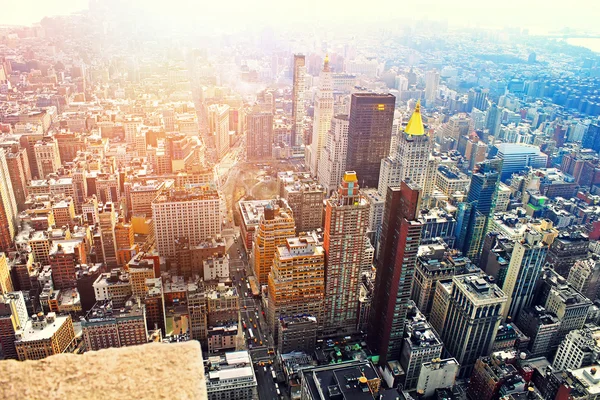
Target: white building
(193,213)
(218,124)
(333,160)
(432,81)
(230,376)
(216,267)
(322,118)
(437,374)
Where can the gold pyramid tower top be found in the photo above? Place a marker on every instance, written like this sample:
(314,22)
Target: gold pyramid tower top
(415,123)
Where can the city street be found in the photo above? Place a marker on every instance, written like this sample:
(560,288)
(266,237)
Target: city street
(251,313)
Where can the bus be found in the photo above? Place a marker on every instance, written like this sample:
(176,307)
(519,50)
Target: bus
(274,375)
(248,286)
(250,334)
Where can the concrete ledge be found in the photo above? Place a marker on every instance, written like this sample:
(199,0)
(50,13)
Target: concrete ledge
(150,371)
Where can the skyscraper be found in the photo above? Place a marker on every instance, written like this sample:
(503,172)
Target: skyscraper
(472,216)
(218,123)
(432,81)
(259,139)
(516,156)
(411,157)
(333,158)
(296,281)
(298,111)
(275,226)
(369,134)
(400,237)
(8,206)
(322,118)
(473,313)
(526,262)
(346,222)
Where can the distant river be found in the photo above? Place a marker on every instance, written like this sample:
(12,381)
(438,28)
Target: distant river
(590,43)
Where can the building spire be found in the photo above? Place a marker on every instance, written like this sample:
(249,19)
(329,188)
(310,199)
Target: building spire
(415,123)
(326,63)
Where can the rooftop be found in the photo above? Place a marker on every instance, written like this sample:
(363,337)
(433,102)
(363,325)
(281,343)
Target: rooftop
(41,327)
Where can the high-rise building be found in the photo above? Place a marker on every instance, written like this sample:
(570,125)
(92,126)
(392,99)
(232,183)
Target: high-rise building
(8,206)
(192,212)
(346,223)
(540,327)
(45,335)
(47,157)
(585,277)
(410,160)
(369,135)
(473,314)
(525,267)
(297,334)
(275,226)
(259,136)
(296,281)
(218,125)
(13,316)
(298,110)
(432,81)
(400,237)
(305,198)
(421,344)
(107,218)
(64,256)
(333,160)
(322,118)
(566,249)
(105,326)
(579,349)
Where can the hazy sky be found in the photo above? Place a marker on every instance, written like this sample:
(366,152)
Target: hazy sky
(535,14)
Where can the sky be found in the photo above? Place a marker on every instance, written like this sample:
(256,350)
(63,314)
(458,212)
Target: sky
(537,15)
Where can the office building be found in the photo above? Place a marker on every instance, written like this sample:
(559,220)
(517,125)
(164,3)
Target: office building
(410,159)
(432,81)
(13,317)
(333,160)
(45,335)
(298,109)
(369,135)
(223,337)
(8,206)
(473,311)
(114,285)
(516,157)
(192,212)
(435,262)
(259,136)
(541,327)
(557,296)
(357,380)
(493,376)
(525,267)
(296,281)
(566,249)
(579,348)
(297,334)
(305,198)
(322,118)
(400,237)
(437,374)
(64,256)
(230,376)
(421,344)
(107,218)
(346,222)
(222,305)
(47,157)
(275,226)
(218,125)
(106,326)
(585,277)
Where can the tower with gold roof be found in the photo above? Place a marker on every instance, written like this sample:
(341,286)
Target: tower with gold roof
(411,158)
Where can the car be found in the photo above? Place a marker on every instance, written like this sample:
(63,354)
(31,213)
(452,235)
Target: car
(254,326)
(250,319)
(265,369)
(261,343)
(245,307)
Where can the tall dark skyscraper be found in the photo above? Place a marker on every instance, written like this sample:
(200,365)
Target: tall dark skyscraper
(259,139)
(369,135)
(400,238)
(472,215)
(591,139)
